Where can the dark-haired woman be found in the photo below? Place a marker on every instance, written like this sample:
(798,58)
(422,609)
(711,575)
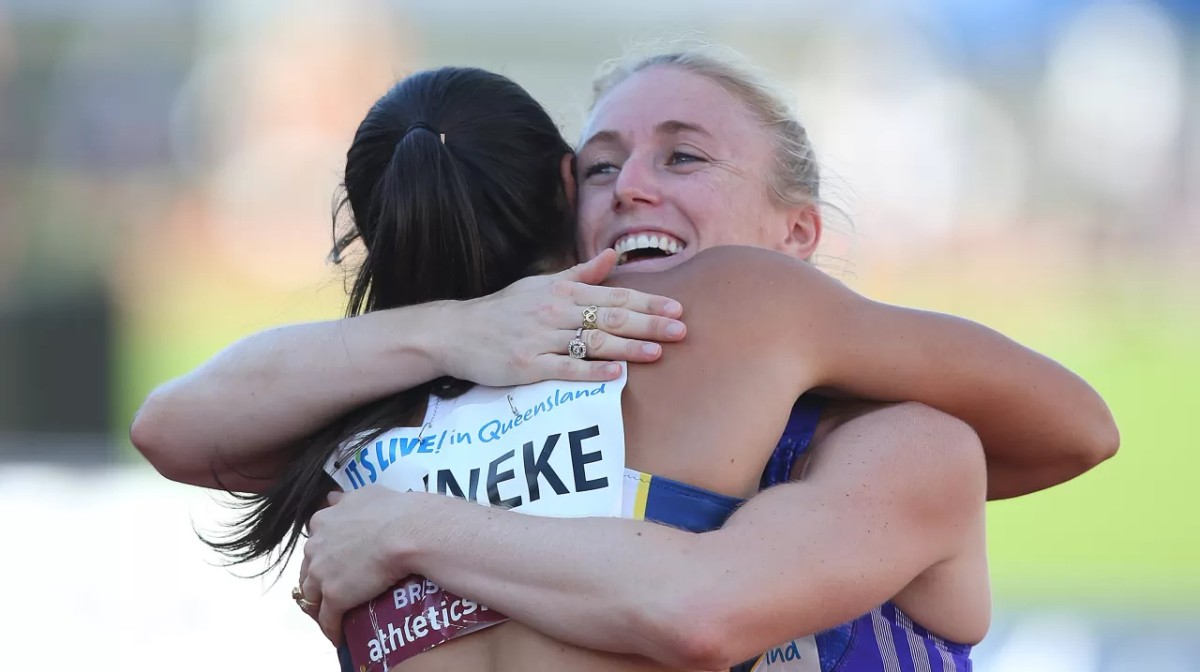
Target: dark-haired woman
(447,215)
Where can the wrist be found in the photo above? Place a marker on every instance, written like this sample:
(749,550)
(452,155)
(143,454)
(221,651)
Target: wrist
(440,324)
(423,345)
(409,532)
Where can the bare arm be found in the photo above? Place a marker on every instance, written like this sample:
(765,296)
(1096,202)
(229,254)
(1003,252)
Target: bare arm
(1040,424)
(891,498)
(244,408)
(241,411)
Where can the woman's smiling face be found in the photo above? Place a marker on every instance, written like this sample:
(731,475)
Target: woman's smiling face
(671,164)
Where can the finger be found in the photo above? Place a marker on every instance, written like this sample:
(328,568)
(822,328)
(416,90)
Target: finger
(311,588)
(312,593)
(561,367)
(594,270)
(315,520)
(603,346)
(638,326)
(303,571)
(334,497)
(330,620)
(623,297)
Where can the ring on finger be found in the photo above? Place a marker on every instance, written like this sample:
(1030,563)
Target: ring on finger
(589,317)
(298,596)
(577,349)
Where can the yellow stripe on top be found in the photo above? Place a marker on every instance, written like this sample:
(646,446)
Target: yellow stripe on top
(643,493)
(635,493)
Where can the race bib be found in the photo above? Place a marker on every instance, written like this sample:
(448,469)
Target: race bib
(553,449)
(799,655)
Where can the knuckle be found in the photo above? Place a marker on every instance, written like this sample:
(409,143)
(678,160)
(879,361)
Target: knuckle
(520,360)
(562,288)
(595,338)
(659,326)
(547,311)
(619,296)
(615,318)
(633,350)
(565,367)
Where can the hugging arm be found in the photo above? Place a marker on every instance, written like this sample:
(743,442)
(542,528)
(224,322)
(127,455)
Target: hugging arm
(535,569)
(890,498)
(1039,423)
(240,412)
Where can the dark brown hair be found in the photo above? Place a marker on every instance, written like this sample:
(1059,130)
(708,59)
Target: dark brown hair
(453,185)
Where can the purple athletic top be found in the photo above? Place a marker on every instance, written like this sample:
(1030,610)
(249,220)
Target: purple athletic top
(883,640)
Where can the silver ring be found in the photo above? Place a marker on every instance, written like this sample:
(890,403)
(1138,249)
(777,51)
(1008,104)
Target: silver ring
(577,349)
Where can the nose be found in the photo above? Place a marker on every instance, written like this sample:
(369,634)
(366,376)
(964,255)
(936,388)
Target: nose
(636,185)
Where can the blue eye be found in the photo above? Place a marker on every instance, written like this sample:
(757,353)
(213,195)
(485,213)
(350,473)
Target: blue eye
(683,157)
(599,168)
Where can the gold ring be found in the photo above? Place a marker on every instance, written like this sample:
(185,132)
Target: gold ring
(577,349)
(589,317)
(298,596)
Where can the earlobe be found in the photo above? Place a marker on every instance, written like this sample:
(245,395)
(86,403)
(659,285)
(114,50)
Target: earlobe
(567,168)
(804,231)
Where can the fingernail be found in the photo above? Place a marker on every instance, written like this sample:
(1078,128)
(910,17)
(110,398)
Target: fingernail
(673,307)
(675,329)
(651,349)
(613,369)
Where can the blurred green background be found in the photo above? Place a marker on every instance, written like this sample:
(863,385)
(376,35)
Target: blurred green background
(166,181)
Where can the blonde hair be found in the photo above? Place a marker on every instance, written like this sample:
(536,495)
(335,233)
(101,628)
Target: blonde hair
(795,178)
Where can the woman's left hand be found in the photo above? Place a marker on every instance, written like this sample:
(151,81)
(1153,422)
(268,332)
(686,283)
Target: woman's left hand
(350,554)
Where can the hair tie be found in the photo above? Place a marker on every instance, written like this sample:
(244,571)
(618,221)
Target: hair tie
(422,125)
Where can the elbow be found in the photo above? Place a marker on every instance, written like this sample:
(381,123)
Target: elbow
(141,432)
(1102,443)
(696,633)
(1108,441)
(147,435)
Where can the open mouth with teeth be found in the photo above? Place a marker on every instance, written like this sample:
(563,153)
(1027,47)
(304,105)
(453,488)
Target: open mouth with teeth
(642,246)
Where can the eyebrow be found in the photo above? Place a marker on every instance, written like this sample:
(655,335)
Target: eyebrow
(671,127)
(668,127)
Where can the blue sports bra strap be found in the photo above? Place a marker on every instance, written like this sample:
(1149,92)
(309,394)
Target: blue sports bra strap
(806,413)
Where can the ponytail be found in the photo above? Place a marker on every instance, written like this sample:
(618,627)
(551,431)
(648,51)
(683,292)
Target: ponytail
(421,203)
(440,217)
(421,230)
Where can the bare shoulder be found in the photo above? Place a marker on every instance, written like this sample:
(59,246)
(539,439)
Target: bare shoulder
(744,255)
(745,278)
(751,268)
(732,296)
(935,459)
(753,310)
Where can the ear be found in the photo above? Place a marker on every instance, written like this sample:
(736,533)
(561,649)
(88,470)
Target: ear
(567,168)
(804,231)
